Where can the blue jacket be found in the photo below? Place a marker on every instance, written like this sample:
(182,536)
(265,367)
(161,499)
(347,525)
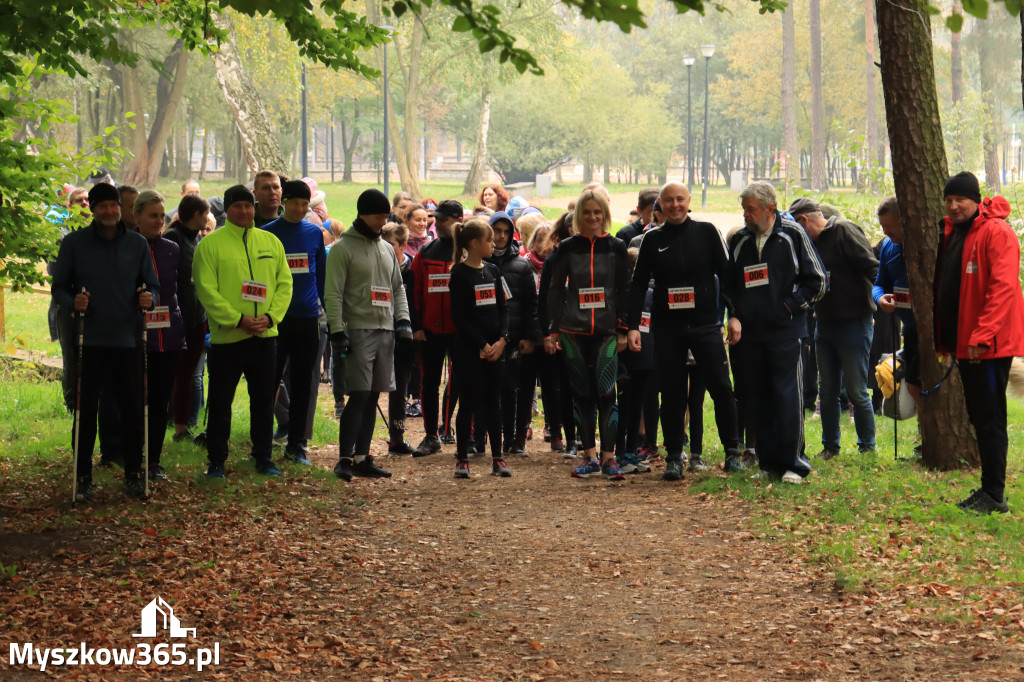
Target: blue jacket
(110,270)
(303,239)
(892,272)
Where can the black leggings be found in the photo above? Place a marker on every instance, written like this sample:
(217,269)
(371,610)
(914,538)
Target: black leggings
(695,406)
(554,386)
(160,382)
(396,399)
(357,421)
(479,388)
(592,365)
(432,354)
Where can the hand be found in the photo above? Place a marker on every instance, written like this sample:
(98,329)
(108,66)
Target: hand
(254,325)
(82,302)
(341,343)
(494,351)
(975,352)
(735,330)
(620,342)
(403,330)
(887,303)
(145,299)
(633,339)
(525,346)
(551,344)
(419,336)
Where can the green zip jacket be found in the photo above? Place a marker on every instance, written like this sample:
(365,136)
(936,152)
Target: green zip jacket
(355,267)
(227,258)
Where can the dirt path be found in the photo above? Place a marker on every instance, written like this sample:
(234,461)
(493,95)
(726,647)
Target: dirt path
(424,577)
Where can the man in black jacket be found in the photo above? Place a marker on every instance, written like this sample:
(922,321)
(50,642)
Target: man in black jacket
(645,206)
(775,276)
(844,330)
(686,259)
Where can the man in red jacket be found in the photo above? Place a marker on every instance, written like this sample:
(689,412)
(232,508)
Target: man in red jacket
(979,320)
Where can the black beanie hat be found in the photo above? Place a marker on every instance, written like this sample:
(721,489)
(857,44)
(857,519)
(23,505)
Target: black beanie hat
(963,185)
(373,202)
(103,191)
(237,193)
(296,189)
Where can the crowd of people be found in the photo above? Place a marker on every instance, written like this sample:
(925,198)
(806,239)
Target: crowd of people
(618,331)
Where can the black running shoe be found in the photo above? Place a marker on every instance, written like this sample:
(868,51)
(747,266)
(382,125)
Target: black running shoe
(85,490)
(156,473)
(428,446)
(343,469)
(398,446)
(499,468)
(365,468)
(134,487)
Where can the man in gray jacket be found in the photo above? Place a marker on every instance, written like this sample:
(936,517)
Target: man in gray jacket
(367,314)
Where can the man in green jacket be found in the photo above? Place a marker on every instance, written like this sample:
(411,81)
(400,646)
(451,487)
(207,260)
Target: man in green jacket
(243,281)
(367,314)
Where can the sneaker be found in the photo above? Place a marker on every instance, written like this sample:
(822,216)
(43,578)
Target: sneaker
(697,463)
(156,473)
(462,468)
(499,468)
(547,435)
(267,468)
(734,461)
(448,438)
(134,486)
(766,476)
(201,439)
(610,470)
(428,446)
(343,469)
(631,464)
(557,444)
(647,453)
(215,471)
(589,468)
(184,435)
(791,477)
(365,468)
(518,448)
(749,458)
(398,446)
(529,433)
(413,409)
(827,454)
(570,452)
(473,451)
(338,409)
(297,454)
(982,503)
(673,469)
(866,449)
(281,433)
(85,490)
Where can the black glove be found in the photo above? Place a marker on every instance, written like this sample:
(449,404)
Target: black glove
(341,343)
(403,330)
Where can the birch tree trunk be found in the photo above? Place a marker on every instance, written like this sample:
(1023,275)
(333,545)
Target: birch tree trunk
(819,180)
(478,166)
(873,148)
(987,65)
(791,141)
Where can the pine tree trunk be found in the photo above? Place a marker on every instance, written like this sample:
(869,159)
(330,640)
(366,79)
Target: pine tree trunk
(259,143)
(956,73)
(987,66)
(818,161)
(919,172)
(791,141)
(478,166)
(871,139)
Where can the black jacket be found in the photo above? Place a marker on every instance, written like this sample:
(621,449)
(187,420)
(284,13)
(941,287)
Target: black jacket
(521,294)
(851,266)
(775,310)
(598,264)
(479,310)
(627,232)
(192,311)
(679,258)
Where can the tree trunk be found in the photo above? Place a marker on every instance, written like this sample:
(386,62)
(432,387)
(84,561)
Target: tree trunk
(919,172)
(259,143)
(873,152)
(992,131)
(956,73)
(203,154)
(348,145)
(818,180)
(477,167)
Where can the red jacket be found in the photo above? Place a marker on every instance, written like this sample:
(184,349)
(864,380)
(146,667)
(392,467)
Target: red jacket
(432,305)
(991,304)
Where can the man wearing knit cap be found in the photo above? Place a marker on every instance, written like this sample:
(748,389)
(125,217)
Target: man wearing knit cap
(299,332)
(243,281)
(845,323)
(367,314)
(98,273)
(979,321)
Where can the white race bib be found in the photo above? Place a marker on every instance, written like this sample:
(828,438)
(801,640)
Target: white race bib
(681,298)
(645,323)
(755,275)
(901,295)
(158,318)
(298,263)
(254,291)
(437,284)
(485,294)
(592,298)
(380,297)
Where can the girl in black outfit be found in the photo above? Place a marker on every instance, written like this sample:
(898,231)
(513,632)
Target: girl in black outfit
(480,316)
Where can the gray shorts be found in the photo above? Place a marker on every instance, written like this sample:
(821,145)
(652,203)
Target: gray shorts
(370,365)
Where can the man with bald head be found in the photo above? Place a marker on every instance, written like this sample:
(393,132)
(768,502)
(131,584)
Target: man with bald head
(687,260)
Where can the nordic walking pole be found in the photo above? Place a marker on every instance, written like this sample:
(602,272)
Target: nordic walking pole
(895,394)
(78,403)
(145,399)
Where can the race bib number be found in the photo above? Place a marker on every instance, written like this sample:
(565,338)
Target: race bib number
(254,291)
(158,318)
(645,323)
(297,262)
(504,287)
(380,297)
(681,298)
(592,298)
(972,268)
(438,284)
(485,294)
(901,295)
(755,275)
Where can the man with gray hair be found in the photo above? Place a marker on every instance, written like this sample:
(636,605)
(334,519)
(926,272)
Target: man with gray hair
(845,328)
(775,276)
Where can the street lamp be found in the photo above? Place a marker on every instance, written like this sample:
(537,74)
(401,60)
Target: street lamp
(387,173)
(689,59)
(706,51)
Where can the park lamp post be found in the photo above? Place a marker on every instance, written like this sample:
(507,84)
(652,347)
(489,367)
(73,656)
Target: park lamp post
(389,29)
(706,51)
(689,59)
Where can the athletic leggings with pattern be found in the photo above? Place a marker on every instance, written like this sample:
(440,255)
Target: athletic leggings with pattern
(592,365)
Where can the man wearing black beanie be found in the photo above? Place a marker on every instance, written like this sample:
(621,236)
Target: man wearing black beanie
(979,321)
